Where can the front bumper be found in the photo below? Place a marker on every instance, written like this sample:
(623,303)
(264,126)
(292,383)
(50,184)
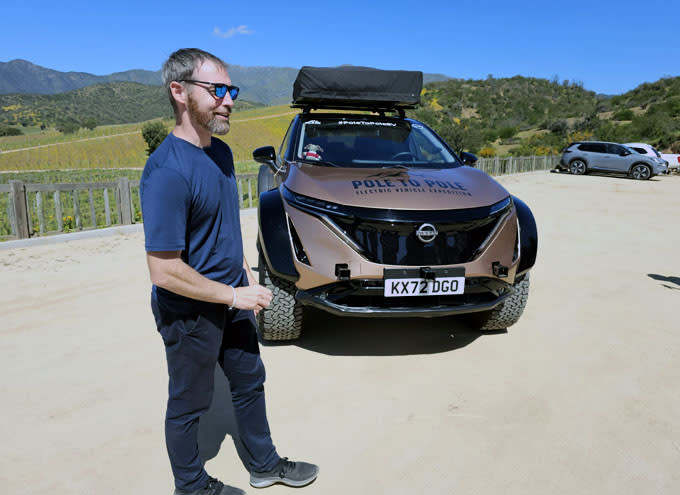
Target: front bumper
(659,169)
(364,297)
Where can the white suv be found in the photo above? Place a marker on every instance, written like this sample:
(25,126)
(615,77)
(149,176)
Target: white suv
(645,149)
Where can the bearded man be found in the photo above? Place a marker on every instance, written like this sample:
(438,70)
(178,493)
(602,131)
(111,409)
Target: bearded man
(204,296)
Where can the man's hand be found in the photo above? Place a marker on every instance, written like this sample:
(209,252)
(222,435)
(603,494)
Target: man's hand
(255,297)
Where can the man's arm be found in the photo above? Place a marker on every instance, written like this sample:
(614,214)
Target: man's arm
(169,271)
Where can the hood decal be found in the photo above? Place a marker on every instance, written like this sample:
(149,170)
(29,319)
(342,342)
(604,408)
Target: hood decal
(400,182)
(416,189)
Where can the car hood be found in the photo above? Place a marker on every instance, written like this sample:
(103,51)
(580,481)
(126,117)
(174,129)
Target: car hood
(396,188)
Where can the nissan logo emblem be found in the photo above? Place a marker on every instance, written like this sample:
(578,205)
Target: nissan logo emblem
(426,233)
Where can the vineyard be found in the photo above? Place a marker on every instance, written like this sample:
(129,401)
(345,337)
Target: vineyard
(122,146)
(106,154)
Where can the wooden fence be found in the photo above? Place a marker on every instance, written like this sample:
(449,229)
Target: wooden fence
(38,209)
(517,164)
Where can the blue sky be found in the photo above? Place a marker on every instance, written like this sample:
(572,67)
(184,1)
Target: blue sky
(610,46)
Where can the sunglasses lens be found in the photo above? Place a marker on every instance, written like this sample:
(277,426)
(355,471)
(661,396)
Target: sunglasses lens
(233,92)
(220,90)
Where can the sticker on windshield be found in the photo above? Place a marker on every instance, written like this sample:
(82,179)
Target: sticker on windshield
(366,122)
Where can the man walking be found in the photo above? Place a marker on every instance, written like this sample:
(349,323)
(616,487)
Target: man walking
(204,294)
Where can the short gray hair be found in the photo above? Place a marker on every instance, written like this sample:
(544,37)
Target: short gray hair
(181,65)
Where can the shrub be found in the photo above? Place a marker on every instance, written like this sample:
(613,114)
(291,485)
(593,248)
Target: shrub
(10,131)
(153,133)
(68,127)
(487,152)
(490,135)
(507,132)
(90,123)
(559,127)
(625,114)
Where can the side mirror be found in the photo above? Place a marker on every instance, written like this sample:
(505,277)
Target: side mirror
(265,155)
(624,153)
(468,158)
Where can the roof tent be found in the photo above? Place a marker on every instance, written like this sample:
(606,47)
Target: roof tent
(356,88)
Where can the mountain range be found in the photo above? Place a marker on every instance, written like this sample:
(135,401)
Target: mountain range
(266,85)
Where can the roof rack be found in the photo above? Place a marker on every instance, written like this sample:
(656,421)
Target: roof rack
(381,109)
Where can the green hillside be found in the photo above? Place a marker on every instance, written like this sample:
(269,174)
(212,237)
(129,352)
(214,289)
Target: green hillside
(525,116)
(106,104)
(518,115)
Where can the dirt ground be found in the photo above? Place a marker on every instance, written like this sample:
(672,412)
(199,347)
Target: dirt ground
(580,397)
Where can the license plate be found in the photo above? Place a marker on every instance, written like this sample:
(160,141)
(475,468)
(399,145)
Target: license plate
(403,283)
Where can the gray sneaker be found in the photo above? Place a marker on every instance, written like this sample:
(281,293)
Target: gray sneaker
(214,487)
(289,473)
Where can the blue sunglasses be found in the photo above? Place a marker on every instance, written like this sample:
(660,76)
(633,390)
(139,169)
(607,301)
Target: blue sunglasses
(218,90)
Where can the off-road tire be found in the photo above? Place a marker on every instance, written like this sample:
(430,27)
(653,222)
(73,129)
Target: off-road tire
(578,167)
(640,171)
(265,179)
(509,311)
(282,320)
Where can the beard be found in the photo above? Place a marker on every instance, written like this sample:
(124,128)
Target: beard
(208,120)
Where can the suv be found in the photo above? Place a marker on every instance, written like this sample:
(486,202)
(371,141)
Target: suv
(597,156)
(364,212)
(649,150)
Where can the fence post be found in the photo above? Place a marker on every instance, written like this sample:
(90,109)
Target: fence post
(41,214)
(124,204)
(57,211)
(19,208)
(107,208)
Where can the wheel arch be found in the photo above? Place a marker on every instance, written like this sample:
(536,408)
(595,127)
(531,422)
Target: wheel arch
(273,236)
(580,159)
(528,235)
(651,169)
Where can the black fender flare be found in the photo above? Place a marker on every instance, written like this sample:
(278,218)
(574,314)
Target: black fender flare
(528,235)
(273,235)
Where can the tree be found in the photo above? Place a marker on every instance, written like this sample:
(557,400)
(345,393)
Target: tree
(153,133)
(68,127)
(10,131)
(90,123)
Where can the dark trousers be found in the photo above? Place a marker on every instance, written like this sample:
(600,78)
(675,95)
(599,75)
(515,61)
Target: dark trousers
(193,345)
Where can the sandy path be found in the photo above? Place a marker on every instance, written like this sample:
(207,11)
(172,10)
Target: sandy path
(580,397)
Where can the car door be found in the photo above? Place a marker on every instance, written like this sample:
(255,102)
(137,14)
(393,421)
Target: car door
(617,158)
(594,153)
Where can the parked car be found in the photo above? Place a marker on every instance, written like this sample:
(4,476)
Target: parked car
(647,150)
(374,215)
(584,156)
(673,161)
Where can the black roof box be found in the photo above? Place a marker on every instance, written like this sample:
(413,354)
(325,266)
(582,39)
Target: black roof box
(356,87)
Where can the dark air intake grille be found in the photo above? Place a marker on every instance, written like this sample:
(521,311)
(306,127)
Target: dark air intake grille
(393,243)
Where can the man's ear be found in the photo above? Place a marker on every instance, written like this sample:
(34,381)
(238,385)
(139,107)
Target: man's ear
(179,92)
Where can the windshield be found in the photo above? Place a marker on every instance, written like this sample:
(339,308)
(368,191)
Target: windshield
(371,142)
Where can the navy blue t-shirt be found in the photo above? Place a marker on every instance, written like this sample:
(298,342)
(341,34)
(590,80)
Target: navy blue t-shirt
(190,204)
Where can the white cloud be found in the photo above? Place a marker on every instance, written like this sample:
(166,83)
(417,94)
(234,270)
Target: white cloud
(229,33)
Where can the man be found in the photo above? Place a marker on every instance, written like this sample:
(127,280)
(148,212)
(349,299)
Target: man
(204,294)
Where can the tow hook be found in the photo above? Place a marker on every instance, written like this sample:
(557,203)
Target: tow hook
(342,271)
(499,270)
